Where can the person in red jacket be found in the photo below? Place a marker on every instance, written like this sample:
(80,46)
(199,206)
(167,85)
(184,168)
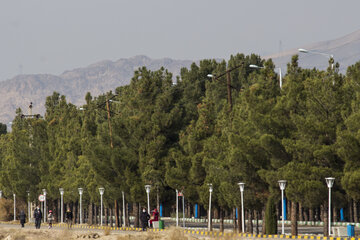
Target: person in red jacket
(155,217)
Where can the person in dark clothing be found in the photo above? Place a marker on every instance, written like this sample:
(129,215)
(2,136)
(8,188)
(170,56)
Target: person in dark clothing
(69,217)
(22,218)
(144,218)
(38,217)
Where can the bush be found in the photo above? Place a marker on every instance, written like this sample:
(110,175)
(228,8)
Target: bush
(270,217)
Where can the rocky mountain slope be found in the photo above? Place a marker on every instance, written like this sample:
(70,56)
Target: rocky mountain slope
(346,51)
(97,78)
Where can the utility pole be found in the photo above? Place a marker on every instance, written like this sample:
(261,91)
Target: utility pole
(109,122)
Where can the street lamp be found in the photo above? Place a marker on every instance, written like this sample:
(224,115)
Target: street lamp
(101,190)
(282,184)
(44,191)
(209,221)
(330,56)
(0,194)
(80,192)
(242,185)
(330,183)
(147,188)
(177,208)
(123,197)
(62,203)
(28,196)
(280,74)
(14,207)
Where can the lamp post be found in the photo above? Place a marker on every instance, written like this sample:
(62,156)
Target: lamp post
(14,206)
(242,185)
(330,56)
(28,196)
(147,188)
(80,193)
(101,190)
(282,184)
(177,208)
(280,74)
(210,221)
(123,197)
(62,203)
(0,194)
(44,192)
(330,183)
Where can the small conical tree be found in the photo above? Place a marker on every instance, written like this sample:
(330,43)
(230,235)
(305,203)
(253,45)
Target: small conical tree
(270,217)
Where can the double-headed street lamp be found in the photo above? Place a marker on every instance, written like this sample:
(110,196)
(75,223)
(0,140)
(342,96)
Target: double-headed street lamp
(329,56)
(101,190)
(209,217)
(80,193)
(242,186)
(330,183)
(280,74)
(147,189)
(62,203)
(282,184)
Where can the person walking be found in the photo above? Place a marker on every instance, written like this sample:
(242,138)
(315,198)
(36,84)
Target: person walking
(22,218)
(144,218)
(38,217)
(50,218)
(68,217)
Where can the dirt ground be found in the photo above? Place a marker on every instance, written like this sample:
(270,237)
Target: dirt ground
(63,234)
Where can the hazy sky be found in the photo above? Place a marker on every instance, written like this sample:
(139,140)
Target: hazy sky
(50,36)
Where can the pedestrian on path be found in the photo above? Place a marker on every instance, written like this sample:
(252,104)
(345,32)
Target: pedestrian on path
(144,218)
(38,217)
(22,218)
(50,218)
(68,217)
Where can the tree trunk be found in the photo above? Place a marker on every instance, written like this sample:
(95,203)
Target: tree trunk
(91,220)
(306,214)
(234,219)
(106,216)
(263,228)
(127,218)
(136,213)
(157,199)
(111,217)
(311,214)
(250,224)
(355,211)
(216,213)
(95,215)
(257,221)
(74,213)
(221,211)
(59,210)
(288,206)
(324,213)
(294,227)
(351,214)
(301,216)
(335,215)
(116,214)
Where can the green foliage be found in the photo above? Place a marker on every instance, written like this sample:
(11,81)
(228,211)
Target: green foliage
(270,217)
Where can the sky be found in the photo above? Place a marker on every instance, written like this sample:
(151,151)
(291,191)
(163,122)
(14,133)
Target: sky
(51,36)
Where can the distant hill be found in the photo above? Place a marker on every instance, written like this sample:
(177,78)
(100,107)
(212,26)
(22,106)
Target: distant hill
(97,78)
(346,51)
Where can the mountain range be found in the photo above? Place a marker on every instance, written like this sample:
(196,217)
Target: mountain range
(96,78)
(106,75)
